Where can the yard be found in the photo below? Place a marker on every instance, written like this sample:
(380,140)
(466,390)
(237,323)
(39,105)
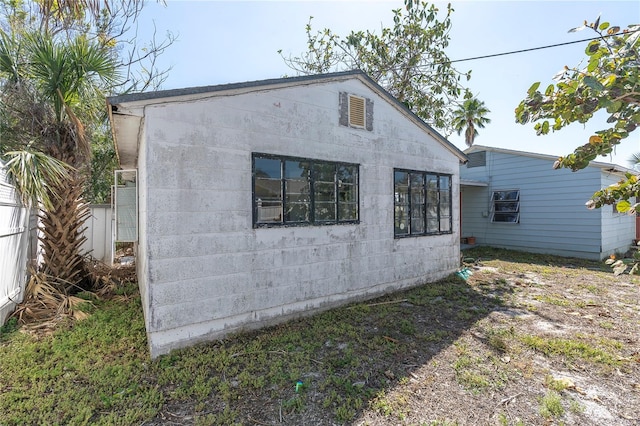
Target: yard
(525,340)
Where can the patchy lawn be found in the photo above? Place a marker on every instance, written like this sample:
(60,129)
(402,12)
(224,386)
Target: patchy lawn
(526,340)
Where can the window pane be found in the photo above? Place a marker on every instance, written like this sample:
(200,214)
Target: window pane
(269,211)
(506,207)
(347,174)
(401,208)
(347,193)
(401,221)
(297,212)
(432,224)
(267,168)
(347,211)
(324,172)
(445,183)
(506,217)
(298,191)
(417,219)
(511,195)
(268,190)
(325,211)
(296,169)
(445,223)
(324,192)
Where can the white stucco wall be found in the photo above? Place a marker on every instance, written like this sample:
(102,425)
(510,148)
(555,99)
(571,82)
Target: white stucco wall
(205,271)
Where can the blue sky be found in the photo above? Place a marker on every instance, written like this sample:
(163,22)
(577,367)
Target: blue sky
(235,41)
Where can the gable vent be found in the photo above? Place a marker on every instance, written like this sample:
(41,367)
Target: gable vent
(356,111)
(477,159)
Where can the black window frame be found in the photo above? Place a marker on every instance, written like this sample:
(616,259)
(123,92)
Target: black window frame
(314,193)
(418,224)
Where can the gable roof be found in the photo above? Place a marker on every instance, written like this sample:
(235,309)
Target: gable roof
(126,112)
(609,167)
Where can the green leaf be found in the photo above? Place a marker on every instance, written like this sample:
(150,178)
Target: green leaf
(533,88)
(593,83)
(549,90)
(603,26)
(623,206)
(592,47)
(545,127)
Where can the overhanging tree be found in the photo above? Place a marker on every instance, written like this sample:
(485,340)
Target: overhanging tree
(56,66)
(610,81)
(50,94)
(408,60)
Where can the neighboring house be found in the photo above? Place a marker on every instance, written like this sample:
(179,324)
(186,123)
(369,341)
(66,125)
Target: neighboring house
(516,200)
(262,201)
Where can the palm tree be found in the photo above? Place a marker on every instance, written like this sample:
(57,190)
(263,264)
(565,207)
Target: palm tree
(49,87)
(470,116)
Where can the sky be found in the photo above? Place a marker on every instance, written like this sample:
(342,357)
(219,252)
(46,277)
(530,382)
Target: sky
(220,42)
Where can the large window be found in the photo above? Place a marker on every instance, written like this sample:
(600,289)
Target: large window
(505,206)
(422,203)
(301,191)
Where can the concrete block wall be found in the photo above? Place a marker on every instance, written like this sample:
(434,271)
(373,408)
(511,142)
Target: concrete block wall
(208,272)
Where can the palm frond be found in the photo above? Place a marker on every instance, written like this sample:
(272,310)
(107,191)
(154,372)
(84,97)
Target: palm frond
(33,173)
(634,160)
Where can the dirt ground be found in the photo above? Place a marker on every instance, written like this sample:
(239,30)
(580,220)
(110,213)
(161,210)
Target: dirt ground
(533,344)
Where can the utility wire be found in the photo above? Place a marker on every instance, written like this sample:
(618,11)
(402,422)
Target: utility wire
(537,48)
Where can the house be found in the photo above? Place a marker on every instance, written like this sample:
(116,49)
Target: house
(262,201)
(516,200)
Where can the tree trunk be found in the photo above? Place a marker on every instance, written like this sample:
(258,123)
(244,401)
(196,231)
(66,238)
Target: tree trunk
(62,233)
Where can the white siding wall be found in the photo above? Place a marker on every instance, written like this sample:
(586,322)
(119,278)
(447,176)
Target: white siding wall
(618,229)
(209,272)
(553,216)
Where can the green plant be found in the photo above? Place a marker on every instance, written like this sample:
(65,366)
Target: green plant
(551,405)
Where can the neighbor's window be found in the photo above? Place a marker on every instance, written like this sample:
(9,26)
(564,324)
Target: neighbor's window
(301,191)
(505,206)
(422,203)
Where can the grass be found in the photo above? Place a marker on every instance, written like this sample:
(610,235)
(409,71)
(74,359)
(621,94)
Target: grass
(341,362)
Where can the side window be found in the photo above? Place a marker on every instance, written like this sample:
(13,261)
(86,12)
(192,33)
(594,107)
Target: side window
(300,191)
(422,203)
(505,206)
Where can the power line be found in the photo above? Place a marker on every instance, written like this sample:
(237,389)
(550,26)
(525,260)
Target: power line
(536,48)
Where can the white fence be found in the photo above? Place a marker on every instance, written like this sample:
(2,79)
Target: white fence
(99,233)
(18,243)
(18,229)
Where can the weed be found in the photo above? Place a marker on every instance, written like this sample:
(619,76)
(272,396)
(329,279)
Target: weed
(576,407)
(9,327)
(293,405)
(551,405)
(556,385)
(607,325)
(572,349)
(407,327)
(552,299)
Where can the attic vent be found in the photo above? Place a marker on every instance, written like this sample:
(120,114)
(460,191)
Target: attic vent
(477,159)
(356,111)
